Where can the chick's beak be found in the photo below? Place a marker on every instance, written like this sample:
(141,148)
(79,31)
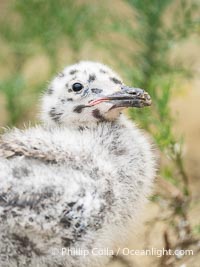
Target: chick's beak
(126,97)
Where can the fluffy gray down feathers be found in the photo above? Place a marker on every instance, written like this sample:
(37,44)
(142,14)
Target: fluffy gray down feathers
(74,188)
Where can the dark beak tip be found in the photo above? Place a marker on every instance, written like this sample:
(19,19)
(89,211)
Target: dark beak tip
(147,99)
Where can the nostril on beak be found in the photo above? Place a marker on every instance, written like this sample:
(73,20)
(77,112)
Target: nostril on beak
(133,91)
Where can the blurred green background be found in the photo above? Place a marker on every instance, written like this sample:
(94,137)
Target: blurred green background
(152,44)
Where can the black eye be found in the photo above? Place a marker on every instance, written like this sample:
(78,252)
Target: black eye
(76,87)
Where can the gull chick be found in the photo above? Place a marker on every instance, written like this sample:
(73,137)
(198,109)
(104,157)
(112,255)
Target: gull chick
(75,185)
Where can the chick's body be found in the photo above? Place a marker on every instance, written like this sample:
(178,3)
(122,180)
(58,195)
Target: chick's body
(70,189)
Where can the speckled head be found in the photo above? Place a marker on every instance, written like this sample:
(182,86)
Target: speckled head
(87,93)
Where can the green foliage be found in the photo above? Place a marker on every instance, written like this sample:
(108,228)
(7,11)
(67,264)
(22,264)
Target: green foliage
(156,71)
(49,22)
(13,88)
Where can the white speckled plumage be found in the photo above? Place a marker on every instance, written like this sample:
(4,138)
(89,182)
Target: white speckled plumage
(79,180)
